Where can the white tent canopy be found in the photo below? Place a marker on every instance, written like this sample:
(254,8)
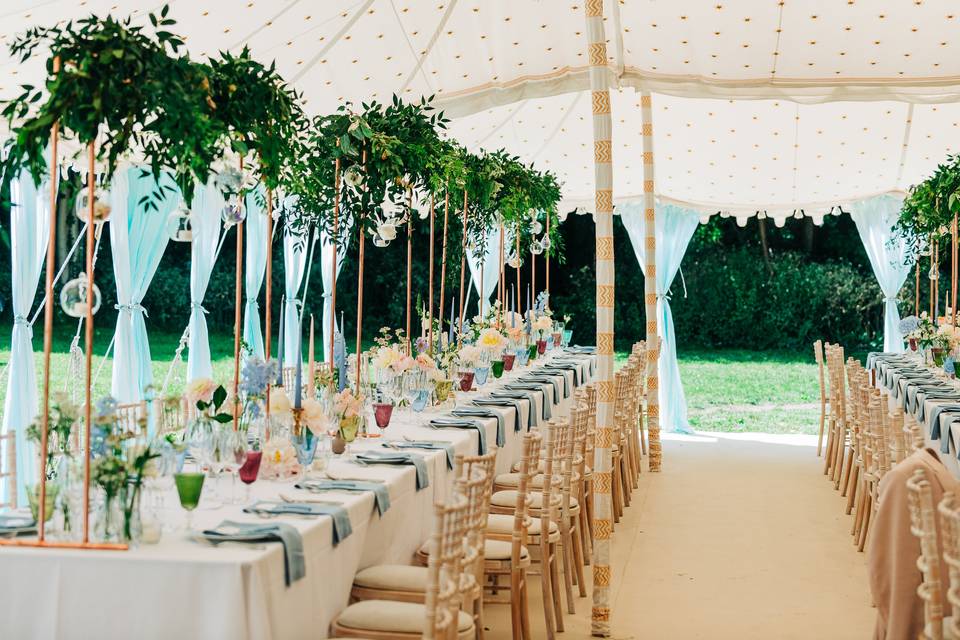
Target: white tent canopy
(513,73)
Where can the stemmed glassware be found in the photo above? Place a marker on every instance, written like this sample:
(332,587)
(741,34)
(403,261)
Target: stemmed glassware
(305,445)
(233,448)
(249,471)
(189,487)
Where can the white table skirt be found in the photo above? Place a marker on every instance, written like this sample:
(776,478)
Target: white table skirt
(183,589)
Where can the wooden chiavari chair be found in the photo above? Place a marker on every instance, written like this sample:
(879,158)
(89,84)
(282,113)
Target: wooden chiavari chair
(898,437)
(171,414)
(132,418)
(923,526)
(439,616)
(818,356)
(8,469)
(516,561)
(949,509)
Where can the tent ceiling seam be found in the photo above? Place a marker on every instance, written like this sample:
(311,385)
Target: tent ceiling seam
(908,125)
(776,46)
(290,5)
(336,38)
(433,40)
(502,124)
(556,129)
(406,38)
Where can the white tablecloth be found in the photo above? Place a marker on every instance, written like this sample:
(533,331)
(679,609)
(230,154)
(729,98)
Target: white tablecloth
(183,589)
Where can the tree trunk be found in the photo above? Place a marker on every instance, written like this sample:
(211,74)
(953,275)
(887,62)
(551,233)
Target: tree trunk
(764,246)
(807,236)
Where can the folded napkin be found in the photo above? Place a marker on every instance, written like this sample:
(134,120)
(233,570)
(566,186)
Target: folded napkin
(418,444)
(935,414)
(545,410)
(399,457)
(547,378)
(920,408)
(460,423)
(502,402)
(565,366)
(462,412)
(380,492)
(10,523)
(294,567)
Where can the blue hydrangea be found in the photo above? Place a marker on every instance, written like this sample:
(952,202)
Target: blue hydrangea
(256,375)
(909,325)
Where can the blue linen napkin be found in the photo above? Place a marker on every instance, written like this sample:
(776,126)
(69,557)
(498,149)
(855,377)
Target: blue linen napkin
(920,407)
(548,378)
(423,444)
(460,423)
(380,492)
(399,457)
(557,365)
(294,567)
(545,409)
(463,412)
(502,402)
(341,518)
(935,413)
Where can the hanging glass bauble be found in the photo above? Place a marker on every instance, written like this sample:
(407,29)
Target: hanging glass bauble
(545,243)
(514,262)
(73,297)
(387,230)
(536,248)
(101,205)
(934,273)
(179,227)
(536,227)
(378,241)
(233,212)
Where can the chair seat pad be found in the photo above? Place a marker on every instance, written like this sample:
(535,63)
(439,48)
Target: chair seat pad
(513,480)
(391,616)
(508,498)
(393,577)
(500,550)
(502,524)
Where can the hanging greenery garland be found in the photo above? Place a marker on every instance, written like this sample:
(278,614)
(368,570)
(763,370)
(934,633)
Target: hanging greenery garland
(929,208)
(119,86)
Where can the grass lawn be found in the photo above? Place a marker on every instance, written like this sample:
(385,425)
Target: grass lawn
(726,390)
(772,392)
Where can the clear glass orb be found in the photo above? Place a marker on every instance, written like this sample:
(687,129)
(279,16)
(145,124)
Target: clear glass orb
(536,248)
(536,227)
(230,180)
(73,297)
(179,226)
(514,262)
(379,241)
(101,205)
(546,243)
(233,213)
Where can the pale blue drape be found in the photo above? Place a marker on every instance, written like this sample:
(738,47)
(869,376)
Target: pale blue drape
(294,266)
(29,234)
(491,268)
(205,213)
(875,219)
(675,227)
(138,238)
(326,259)
(256,265)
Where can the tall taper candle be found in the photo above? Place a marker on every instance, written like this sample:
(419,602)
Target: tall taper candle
(311,368)
(452,316)
(283,316)
(298,381)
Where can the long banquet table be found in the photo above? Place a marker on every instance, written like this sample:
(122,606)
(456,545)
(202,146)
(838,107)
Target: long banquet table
(182,588)
(917,389)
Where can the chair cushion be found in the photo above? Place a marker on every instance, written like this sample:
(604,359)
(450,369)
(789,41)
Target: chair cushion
(513,480)
(390,616)
(508,498)
(502,524)
(393,577)
(500,550)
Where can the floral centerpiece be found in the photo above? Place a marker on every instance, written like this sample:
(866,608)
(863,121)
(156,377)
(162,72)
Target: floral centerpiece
(348,414)
(469,357)
(908,327)
(543,325)
(120,461)
(255,378)
(493,343)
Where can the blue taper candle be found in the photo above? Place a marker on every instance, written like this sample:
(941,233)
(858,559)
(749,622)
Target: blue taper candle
(283,308)
(298,383)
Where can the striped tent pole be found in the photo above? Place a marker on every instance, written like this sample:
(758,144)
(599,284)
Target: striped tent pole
(603,175)
(650,283)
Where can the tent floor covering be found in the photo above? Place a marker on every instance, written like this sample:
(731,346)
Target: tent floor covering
(740,536)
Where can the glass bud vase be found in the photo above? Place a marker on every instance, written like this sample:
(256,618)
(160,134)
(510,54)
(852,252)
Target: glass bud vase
(108,523)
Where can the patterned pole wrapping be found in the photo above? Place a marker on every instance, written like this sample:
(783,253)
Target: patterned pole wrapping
(603,175)
(650,284)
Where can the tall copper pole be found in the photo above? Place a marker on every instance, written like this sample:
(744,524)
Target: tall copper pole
(916,289)
(237,325)
(516,235)
(502,282)
(463,253)
(88,352)
(935,282)
(363,160)
(430,304)
(533,275)
(953,271)
(443,251)
(48,317)
(409,263)
(333,266)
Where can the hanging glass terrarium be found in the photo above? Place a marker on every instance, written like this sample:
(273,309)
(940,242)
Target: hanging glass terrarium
(387,230)
(536,248)
(73,297)
(514,262)
(234,212)
(545,243)
(101,205)
(536,227)
(379,242)
(179,226)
